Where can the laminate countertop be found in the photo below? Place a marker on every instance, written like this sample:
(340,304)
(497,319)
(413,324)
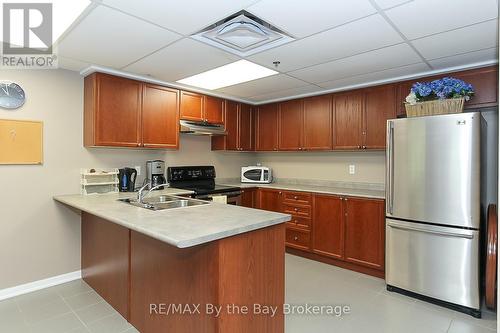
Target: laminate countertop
(374,191)
(180,227)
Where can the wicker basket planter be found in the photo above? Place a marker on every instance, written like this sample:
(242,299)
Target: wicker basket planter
(430,108)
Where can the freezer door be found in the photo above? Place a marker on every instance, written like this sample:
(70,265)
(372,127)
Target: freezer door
(433,169)
(438,262)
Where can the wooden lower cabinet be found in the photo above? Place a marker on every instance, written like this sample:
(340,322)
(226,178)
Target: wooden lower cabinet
(249,197)
(344,231)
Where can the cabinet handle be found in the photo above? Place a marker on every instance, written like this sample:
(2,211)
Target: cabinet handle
(359,147)
(275,148)
(300,148)
(280,193)
(296,209)
(296,197)
(295,238)
(364,147)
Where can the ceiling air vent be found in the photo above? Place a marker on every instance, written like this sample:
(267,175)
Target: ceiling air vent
(242,34)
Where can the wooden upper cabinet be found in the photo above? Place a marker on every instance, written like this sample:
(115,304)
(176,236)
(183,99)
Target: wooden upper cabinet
(245,128)
(290,124)
(112,111)
(214,110)
(328,225)
(231,139)
(192,106)
(160,117)
(348,121)
(380,105)
(485,83)
(267,127)
(365,232)
(318,129)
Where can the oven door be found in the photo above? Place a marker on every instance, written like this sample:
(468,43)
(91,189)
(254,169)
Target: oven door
(233,198)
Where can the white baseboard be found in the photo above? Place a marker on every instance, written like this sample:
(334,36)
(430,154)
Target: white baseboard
(38,285)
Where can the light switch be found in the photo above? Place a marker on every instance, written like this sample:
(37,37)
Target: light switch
(352,169)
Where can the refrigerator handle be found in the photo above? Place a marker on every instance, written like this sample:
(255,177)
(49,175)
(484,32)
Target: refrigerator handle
(463,234)
(390,167)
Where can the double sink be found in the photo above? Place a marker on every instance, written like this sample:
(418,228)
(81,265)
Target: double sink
(162,202)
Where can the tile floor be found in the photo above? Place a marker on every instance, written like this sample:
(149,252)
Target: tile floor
(76,308)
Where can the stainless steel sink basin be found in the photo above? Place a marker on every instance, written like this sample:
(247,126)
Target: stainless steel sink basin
(161,202)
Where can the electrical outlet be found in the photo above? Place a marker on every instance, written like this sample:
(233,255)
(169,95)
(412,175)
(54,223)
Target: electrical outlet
(352,169)
(138,169)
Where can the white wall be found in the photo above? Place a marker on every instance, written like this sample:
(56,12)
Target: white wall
(370,166)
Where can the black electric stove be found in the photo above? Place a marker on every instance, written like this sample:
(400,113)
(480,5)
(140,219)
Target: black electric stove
(200,180)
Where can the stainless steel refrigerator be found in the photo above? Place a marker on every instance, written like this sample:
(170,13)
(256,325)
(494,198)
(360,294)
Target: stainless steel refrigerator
(433,209)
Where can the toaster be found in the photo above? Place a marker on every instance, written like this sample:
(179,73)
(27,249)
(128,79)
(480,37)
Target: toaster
(256,174)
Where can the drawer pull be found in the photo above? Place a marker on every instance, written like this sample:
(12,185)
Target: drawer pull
(296,197)
(296,209)
(295,238)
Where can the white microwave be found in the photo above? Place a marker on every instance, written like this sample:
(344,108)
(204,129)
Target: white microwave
(256,174)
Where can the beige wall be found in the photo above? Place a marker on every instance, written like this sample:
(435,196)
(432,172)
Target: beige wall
(38,237)
(370,166)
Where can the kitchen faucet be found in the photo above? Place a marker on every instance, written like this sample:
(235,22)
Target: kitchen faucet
(141,196)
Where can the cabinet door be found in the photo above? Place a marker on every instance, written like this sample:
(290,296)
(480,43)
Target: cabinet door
(267,127)
(214,110)
(191,106)
(160,117)
(117,120)
(328,225)
(318,123)
(245,128)
(365,232)
(485,83)
(249,197)
(348,121)
(231,139)
(290,124)
(380,105)
(269,199)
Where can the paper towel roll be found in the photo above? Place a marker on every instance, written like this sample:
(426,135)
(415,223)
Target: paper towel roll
(220,199)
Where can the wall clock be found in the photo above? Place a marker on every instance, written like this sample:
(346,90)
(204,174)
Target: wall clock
(12,96)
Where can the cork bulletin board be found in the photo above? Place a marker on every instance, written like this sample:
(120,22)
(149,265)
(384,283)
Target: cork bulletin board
(21,142)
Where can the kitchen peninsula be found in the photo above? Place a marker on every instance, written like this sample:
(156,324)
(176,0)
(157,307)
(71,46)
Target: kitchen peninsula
(145,262)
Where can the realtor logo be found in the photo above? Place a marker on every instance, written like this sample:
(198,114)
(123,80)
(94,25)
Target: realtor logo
(27,36)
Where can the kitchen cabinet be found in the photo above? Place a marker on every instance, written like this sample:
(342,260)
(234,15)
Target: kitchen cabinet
(328,227)
(112,111)
(266,137)
(269,199)
(191,106)
(239,127)
(160,117)
(379,106)
(290,124)
(120,112)
(197,107)
(365,232)
(249,197)
(318,126)
(348,121)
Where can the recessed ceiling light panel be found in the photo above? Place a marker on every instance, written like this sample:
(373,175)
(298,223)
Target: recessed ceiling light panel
(243,35)
(228,75)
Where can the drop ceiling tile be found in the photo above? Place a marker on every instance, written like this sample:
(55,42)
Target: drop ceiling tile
(110,38)
(373,61)
(368,79)
(181,59)
(476,37)
(488,55)
(72,64)
(262,86)
(349,39)
(185,17)
(303,18)
(384,4)
(287,93)
(425,17)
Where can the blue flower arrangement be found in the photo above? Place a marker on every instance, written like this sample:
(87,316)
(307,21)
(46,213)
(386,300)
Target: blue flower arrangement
(447,87)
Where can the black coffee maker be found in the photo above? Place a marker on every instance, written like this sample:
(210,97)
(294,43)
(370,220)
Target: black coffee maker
(127,178)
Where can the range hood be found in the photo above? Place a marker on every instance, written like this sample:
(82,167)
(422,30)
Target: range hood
(201,128)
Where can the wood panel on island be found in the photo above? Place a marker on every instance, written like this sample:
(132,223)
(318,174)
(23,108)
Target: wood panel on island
(340,230)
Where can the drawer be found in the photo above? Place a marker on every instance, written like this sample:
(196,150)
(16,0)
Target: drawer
(300,222)
(300,239)
(297,210)
(301,198)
